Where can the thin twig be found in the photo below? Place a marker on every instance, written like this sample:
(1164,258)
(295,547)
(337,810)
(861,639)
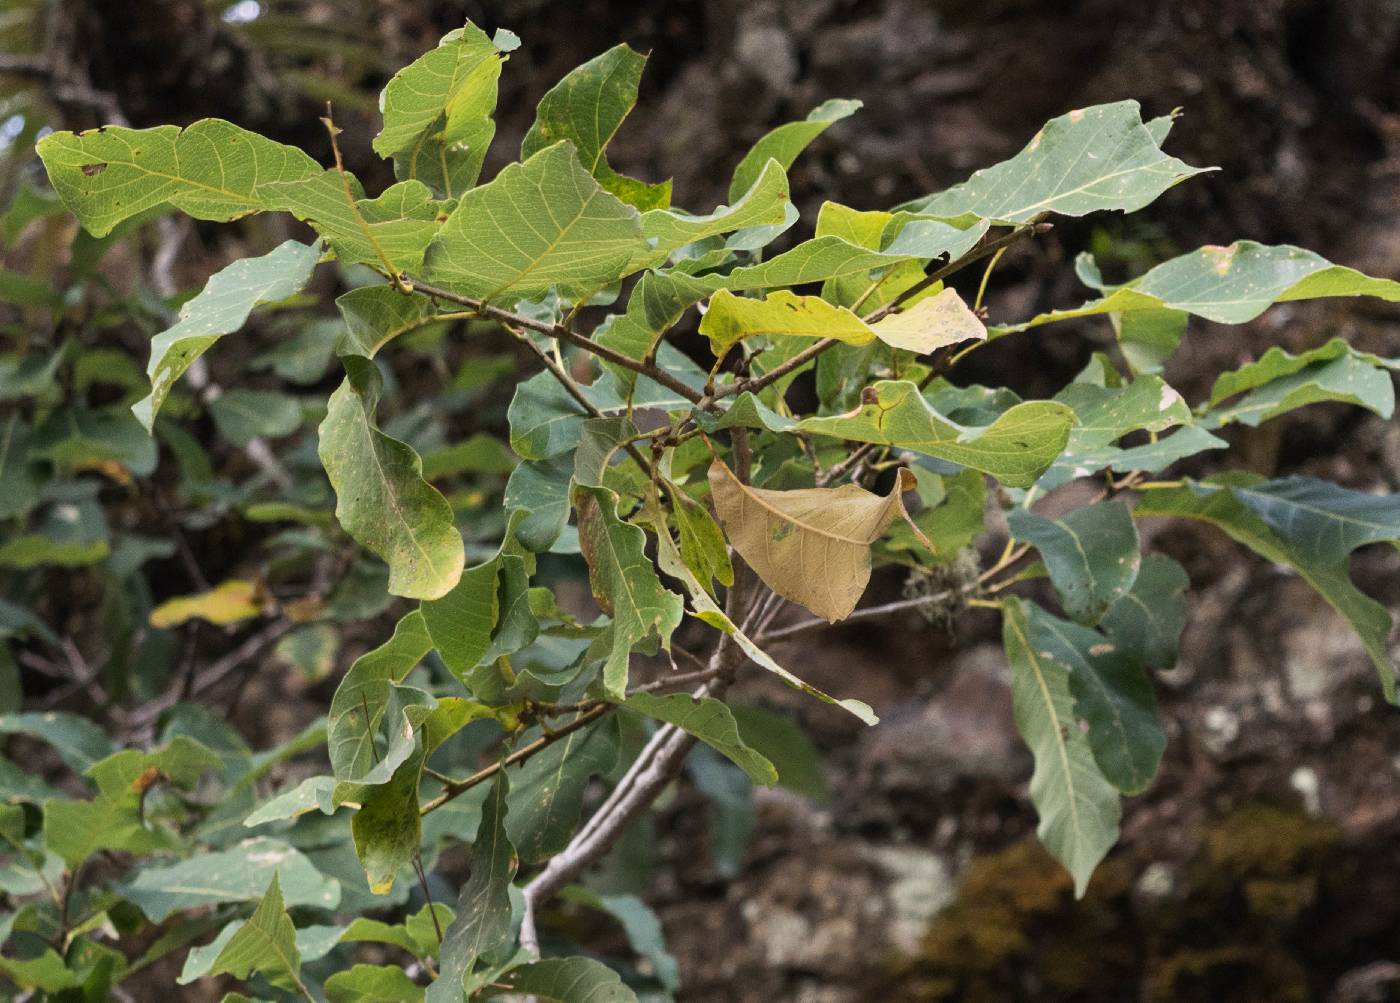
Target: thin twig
(560,333)
(650,773)
(427,895)
(839,470)
(808,354)
(214,674)
(988,249)
(570,386)
(868,613)
(521,754)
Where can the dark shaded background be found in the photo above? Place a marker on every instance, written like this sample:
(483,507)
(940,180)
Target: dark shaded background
(1265,862)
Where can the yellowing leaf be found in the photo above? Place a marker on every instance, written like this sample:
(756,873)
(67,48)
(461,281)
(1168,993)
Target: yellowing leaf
(229,602)
(732,318)
(931,323)
(811,545)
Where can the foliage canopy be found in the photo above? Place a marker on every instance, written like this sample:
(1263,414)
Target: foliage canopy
(813,433)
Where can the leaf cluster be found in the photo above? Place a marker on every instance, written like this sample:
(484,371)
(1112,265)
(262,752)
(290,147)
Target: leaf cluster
(682,479)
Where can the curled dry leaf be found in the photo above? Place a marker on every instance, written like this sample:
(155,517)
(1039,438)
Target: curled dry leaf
(811,545)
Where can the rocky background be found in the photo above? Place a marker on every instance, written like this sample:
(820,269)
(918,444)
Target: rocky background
(1264,863)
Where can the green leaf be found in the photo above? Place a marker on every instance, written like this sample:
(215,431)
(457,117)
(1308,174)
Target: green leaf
(1148,338)
(640,924)
(32,374)
(35,550)
(460,623)
(358,707)
(78,742)
(1277,363)
(1229,285)
(416,935)
(624,583)
(21,478)
(566,980)
(586,108)
(1217,503)
(600,439)
(655,305)
(482,453)
(780,740)
(239,874)
(786,142)
(372,984)
(1016,448)
(79,437)
(1091,554)
(1089,160)
(542,489)
(546,421)
(765,203)
(516,624)
(1078,808)
(544,224)
(388,828)
(1104,414)
(824,258)
(1114,704)
(747,411)
(710,721)
(486,615)
(1147,620)
(1279,382)
(114,819)
(376,315)
(45,971)
(381,498)
(703,548)
(390,231)
(546,794)
(1151,457)
(210,170)
(243,415)
(1322,522)
(223,307)
(437,112)
(483,921)
(953,514)
(266,944)
(731,318)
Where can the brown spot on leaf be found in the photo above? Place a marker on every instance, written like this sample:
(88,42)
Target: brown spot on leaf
(90,170)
